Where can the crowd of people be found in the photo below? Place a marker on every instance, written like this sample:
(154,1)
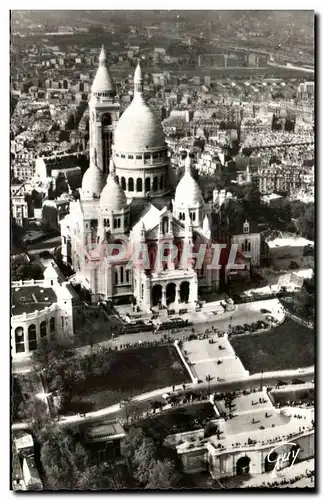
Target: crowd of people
(287,482)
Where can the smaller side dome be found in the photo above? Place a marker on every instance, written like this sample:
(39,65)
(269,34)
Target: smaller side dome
(188,192)
(113,197)
(92,183)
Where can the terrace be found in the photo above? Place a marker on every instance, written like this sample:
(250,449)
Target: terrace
(31,298)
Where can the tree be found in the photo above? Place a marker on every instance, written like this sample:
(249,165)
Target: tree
(131,443)
(163,475)
(61,457)
(35,412)
(67,464)
(26,271)
(143,460)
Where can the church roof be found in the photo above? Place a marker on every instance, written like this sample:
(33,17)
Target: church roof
(103,81)
(113,196)
(138,129)
(188,192)
(93,182)
(150,218)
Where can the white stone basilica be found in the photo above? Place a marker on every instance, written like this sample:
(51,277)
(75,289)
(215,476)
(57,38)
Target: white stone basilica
(125,199)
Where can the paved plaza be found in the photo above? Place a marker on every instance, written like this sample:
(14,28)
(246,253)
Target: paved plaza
(217,359)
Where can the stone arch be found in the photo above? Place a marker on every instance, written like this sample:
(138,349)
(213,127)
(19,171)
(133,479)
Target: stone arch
(155,183)
(43,329)
(156,294)
(139,185)
(32,338)
(184,291)
(243,466)
(170,293)
(19,339)
(147,184)
(123,183)
(270,461)
(130,184)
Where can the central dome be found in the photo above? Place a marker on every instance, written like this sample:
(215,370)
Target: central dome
(138,129)
(113,197)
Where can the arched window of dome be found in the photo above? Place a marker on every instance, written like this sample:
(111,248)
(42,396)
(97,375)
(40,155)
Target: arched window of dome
(161,182)
(32,340)
(122,156)
(139,157)
(147,185)
(123,183)
(106,120)
(147,156)
(130,157)
(155,156)
(127,276)
(42,327)
(155,183)
(52,325)
(121,274)
(19,339)
(193,218)
(116,277)
(139,185)
(131,184)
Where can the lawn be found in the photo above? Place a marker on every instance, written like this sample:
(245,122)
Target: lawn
(185,419)
(289,346)
(131,372)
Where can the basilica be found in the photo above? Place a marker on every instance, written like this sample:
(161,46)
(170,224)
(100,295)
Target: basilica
(126,198)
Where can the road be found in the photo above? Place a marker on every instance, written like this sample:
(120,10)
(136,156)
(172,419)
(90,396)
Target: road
(243,313)
(254,381)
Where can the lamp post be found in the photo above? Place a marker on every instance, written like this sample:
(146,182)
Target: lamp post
(208,379)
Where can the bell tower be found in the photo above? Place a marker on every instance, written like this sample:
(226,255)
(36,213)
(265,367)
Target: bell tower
(103,115)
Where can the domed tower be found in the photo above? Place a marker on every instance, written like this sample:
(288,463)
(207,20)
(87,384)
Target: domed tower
(140,151)
(114,210)
(188,198)
(103,114)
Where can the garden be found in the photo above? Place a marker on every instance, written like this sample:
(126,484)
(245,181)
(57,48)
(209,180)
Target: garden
(94,324)
(288,346)
(108,376)
(183,419)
